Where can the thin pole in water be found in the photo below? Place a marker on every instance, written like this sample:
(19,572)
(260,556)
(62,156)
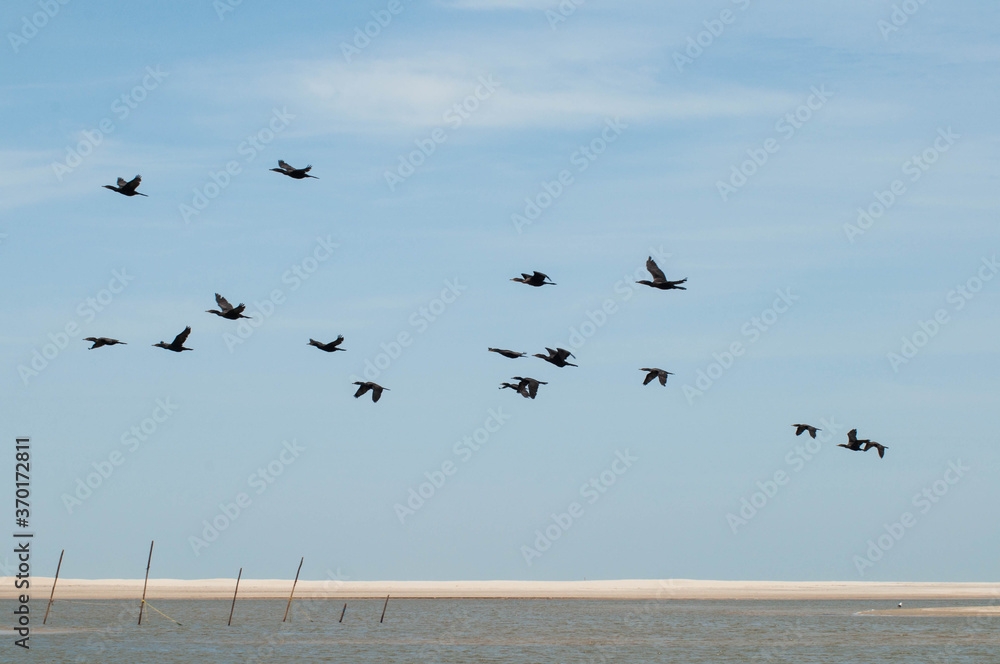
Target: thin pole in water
(289,605)
(142,605)
(233,607)
(383,609)
(54,582)
(343,612)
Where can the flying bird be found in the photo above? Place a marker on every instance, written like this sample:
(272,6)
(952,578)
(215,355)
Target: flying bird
(529,385)
(557,357)
(656,373)
(292,172)
(853,443)
(659,279)
(878,446)
(799,428)
(512,354)
(368,385)
(330,347)
(228,311)
(127,188)
(534,279)
(177,345)
(103,341)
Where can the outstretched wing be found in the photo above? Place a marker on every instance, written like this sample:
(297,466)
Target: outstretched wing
(655,270)
(541,276)
(376,393)
(362,388)
(339,340)
(132,185)
(121,182)
(223,303)
(182,337)
(663,377)
(562,353)
(284,166)
(306,170)
(650,375)
(852,435)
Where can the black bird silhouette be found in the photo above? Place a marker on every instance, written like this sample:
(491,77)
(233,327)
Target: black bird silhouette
(799,428)
(228,311)
(534,279)
(878,446)
(557,357)
(292,172)
(659,279)
(330,347)
(127,188)
(512,354)
(368,385)
(103,341)
(853,443)
(177,345)
(656,373)
(529,385)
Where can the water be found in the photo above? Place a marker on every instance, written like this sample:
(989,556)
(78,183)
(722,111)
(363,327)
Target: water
(520,631)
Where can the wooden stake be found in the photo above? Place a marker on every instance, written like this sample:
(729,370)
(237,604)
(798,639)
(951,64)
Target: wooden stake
(343,612)
(383,609)
(289,605)
(233,607)
(54,582)
(142,605)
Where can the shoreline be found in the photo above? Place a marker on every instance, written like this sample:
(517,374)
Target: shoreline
(667,589)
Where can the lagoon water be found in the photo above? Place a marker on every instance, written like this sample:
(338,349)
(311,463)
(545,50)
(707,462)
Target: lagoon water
(519,631)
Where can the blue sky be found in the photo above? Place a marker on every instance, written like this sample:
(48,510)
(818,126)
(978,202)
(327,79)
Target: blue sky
(792,313)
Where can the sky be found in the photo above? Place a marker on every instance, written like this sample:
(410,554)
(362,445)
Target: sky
(824,175)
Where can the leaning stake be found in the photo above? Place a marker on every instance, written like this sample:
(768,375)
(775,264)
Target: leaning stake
(383,608)
(142,605)
(54,582)
(289,605)
(233,607)
(343,612)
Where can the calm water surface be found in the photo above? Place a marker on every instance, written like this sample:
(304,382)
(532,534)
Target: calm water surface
(520,631)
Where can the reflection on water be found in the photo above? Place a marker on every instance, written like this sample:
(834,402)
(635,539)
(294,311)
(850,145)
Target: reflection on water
(529,631)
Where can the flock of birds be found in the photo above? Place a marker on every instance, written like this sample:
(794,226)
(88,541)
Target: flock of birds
(526,386)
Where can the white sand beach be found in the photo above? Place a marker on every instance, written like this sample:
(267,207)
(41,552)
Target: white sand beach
(681,589)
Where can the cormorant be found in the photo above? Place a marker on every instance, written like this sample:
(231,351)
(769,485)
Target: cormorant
(659,279)
(330,347)
(529,384)
(557,357)
(127,188)
(228,311)
(534,279)
(799,428)
(103,341)
(292,172)
(656,373)
(368,385)
(506,353)
(177,345)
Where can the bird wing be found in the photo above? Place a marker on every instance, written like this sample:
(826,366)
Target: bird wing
(852,435)
(543,277)
(663,377)
(339,340)
(285,166)
(122,182)
(649,376)
(306,170)
(132,185)
(563,353)
(655,270)
(362,388)
(182,337)
(376,393)
(223,303)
